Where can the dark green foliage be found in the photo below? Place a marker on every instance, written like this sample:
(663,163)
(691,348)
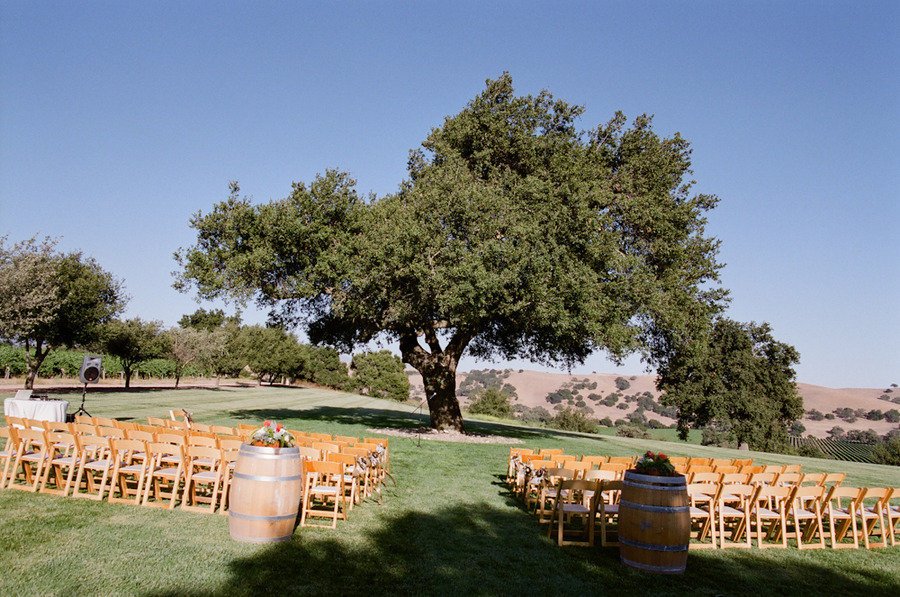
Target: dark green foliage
(885,397)
(864,437)
(491,402)
(611,399)
(829,416)
(622,406)
(323,365)
(892,416)
(560,396)
(12,360)
(797,428)
(655,424)
(810,450)
(632,431)
(887,451)
(133,341)
(156,368)
(742,378)
(537,414)
(515,235)
(606,422)
(814,415)
(479,380)
(836,433)
(381,374)
(570,419)
(717,435)
(201,319)
(874,415)
(622,383)
(61,362)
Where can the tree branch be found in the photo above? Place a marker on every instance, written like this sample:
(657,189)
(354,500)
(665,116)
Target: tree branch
(433,343)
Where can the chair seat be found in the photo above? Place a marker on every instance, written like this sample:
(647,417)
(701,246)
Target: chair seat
(65,460)
(34,457)
(698,512)
(131,468)
(171,459)
(729,511)
(575,509)
(325,489)
(868,513)
(205,476)
(800,514)
(97,465)
(610,508)
(166,472)
(840,513)
(766,513)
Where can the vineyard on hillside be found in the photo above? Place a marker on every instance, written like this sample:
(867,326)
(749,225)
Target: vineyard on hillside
(837,449)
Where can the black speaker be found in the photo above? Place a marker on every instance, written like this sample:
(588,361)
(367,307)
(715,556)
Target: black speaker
(90,370)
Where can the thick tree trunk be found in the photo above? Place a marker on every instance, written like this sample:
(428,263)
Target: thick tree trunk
(127,372)
(438,369)
(443,405)
(34,363)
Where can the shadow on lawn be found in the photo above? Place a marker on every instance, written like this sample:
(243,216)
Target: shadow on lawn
(373,417)
(487,550)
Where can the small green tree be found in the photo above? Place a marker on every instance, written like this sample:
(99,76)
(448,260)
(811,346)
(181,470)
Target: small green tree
(570,419)
(270,352)
(133,341)
(491,401)
(381,374)
(740,378)
(887,451)
(201,319)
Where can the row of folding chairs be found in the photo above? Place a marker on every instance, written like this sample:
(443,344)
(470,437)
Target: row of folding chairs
(733,515)
(150,464)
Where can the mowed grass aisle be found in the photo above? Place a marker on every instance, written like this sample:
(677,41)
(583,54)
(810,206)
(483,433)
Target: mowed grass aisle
(448,526)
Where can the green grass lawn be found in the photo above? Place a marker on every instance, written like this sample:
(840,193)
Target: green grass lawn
(448,526)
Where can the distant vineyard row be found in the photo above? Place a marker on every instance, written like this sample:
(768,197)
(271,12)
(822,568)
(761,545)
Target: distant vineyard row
(836,449)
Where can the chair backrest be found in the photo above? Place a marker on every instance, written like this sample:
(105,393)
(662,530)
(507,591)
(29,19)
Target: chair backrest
(355,451)
(550,451)
(139,435)
(739,478)
(346,439)
(32,438)
(594,460)
(790,478)
(156,421)
(578,467)
(382,441)
(879,494)
(229,443)
(96,444)
(537,465)
(699,468)
(104,422)
(813,479)
(726,468)
(836,494)
(778,493)
(320,467)
(600,475)
(751,469)
(222,430)
(203,452)
(322,437)
(804,493)
(520,451)
(201,439)
(773,468)
(63,440)
(614,466)
(793,468)
(706,478)
(124,447)
(699,461)
(742,461)
(740,490)
(126,425)
(702,492)
(157,450)
(170,438)
(679,460)
(85,429)
(345,459)
(111,432)
(201,427)
(311,453)
(626,460)
(612,488)
(172,424)
(326,448)
(58,427)
(248,426)
(763,478)
(83,419)
(834,478)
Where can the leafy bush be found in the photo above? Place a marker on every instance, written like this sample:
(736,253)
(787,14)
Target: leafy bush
(837,433)
(537,414)
(874,415)
(810,450)
(12,360)
(622,406)
(797,428)
(622,383)
(606,422)
(491,402)
(887,451)
(814,415)
(570,419)
(632,431)
(381,374)
(892,416)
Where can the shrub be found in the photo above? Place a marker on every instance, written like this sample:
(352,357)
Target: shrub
(814,415)
(381,374)
(829,416)
(892,416)
(622,383)
(655,424)
(570,419)
(606,422)
(836,433)
(874,415)
(797,428)
(622,406)
(537,414)
(632,431)
(491,402)
(12,360)
(887,451)
(810,450)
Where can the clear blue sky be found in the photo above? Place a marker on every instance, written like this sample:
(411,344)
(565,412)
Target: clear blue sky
(119,120)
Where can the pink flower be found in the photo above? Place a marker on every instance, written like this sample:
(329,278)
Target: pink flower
(267,423)
(279,427)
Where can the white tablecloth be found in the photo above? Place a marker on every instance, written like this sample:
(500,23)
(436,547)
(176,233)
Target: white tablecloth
(39,410)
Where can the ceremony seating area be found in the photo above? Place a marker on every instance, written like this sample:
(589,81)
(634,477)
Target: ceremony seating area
(734,503)
(171,463)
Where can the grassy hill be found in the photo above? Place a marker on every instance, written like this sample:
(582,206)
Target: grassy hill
(448,526)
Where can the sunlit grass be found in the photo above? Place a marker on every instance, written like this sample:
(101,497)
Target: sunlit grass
(448,525)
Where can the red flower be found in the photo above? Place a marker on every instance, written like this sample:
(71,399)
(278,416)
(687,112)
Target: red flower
(267,423)
(662,456)
(279,427)
(649,454)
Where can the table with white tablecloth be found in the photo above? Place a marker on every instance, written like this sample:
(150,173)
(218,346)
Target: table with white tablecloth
(39,410)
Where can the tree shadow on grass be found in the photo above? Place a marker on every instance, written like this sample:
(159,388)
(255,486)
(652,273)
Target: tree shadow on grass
(480,549)
(374,417)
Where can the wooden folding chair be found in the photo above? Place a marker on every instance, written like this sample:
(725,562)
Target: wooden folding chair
(892,514)
(204,427)
(385,445)
(732,478)
(323,494)
(607,508)
(792,468)
(703,494)
(229,459)
(548,452)
(706,477)
(842,516)
(733,507)
(547,495)
(594,460)
(64,450)
(806,509)
(8,453)
(84,420)
(872,517)
(579,468)
(617,467)
(321,437)
(111,432)
(222,430)
(768,508)
(203,468)
(129,470)
(95,461)
(813,479)
(699,461)
(628,461)
(679,461)
(834,479)
(351,477)
(156,421)
(162,475)
(569,506)
(32,456)
(104,422)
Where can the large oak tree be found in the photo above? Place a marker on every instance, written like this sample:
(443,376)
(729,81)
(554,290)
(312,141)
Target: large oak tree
(515,235)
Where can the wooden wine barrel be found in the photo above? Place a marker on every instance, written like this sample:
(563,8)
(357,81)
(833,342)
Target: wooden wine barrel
(265,494)
(654,523)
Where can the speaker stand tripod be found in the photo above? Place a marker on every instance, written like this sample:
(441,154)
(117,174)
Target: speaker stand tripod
(81,410)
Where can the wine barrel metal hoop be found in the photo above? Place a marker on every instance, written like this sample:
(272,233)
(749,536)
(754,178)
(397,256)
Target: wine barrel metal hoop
(652,568)
(650,508)
(653,547)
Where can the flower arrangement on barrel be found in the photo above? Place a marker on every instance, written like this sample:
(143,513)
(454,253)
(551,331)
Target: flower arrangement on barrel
(655,464)
(272,436)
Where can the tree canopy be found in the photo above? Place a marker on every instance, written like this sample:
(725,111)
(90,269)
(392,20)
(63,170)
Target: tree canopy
(50,299)
(515,235)
(134,341)
(740,381)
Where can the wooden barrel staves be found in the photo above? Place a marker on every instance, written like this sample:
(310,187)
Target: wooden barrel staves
(654,523)
(265,494)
